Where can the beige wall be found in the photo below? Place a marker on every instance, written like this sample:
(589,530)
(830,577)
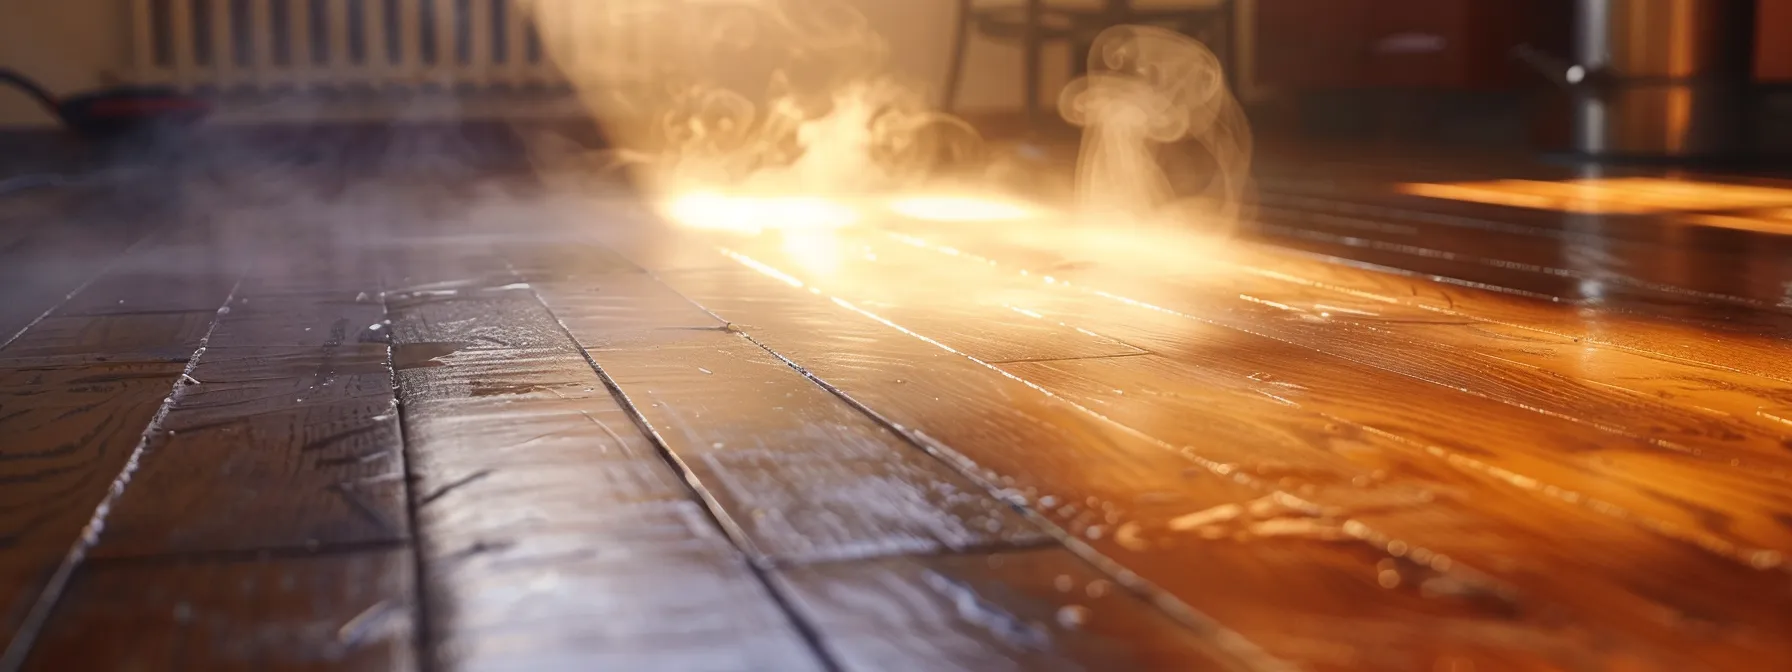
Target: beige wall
(920,32)
(72,45)
(65,44)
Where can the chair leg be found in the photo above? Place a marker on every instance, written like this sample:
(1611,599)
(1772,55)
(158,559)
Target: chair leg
(961,36)
(1229,55)
(1030,48)
(1079,58)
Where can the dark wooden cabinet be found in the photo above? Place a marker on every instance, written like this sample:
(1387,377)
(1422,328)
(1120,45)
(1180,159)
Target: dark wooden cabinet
(1773,41)
(1432,44)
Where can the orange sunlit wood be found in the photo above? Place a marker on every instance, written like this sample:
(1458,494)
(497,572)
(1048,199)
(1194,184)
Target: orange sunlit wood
(1607,196)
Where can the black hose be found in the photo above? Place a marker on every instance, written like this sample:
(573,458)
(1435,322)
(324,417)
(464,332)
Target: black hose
(43,95)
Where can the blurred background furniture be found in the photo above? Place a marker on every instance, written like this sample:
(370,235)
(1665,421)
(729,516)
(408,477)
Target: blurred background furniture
(1033,23)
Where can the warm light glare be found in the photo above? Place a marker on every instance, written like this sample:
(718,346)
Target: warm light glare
(1777,222)
(817,251)
(753,214)
(958,209)
(1608,196)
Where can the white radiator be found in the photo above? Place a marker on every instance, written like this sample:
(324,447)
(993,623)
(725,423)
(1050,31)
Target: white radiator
(437,49)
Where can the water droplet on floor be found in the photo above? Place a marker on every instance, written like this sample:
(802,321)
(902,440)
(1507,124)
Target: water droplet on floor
(1388,578)
(1765,559)
(1073,616)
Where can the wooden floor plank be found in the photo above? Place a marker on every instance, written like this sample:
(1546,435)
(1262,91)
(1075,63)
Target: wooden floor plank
(521,485)
(473,318)
(804,478)
(1629,317)
(1086,471)
(802,475)
(956,321)
(1565,451)
(56,241)
(290,447)
(1538,445)
(1384,201)
(1153,394)
(621,302)
(424,263)
(330,612)
(1595,390)
(1604,568)
(1022,610)
(262,316)
(68,430)
(539,608)
(154,336)
(273,448)
(1654,246)
(1667,274)
(1635,296)
(1143,400)
(1726,346)
(175,290)
(552,531)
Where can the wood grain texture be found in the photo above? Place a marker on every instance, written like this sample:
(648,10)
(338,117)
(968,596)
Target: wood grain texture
(285,437)
(1426,496)
(1093,476)
(67,431)
(553,534)
(1732,508)
(1261,371)
(78,389)
(1025,610)
(473,318)
(597,304)
(259,317)
(1377,432)
(801,474)
(1727,345)
(422,263)
(804,478)
(1632,295)
(540,606)
(127,290)
(1671,271)
(961,321)
(273,448)
(156,336)
(327,612)
(57,239)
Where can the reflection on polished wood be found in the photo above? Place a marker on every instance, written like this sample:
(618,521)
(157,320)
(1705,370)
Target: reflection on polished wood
(1380,428)
(1608,196)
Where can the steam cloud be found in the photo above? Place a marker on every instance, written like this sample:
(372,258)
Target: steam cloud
(797,97)
(791,96)
(1163,138)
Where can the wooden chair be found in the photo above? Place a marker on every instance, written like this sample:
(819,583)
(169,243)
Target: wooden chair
(1035,22)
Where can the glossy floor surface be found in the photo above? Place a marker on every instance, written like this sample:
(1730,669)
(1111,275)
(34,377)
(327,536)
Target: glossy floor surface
(435,420)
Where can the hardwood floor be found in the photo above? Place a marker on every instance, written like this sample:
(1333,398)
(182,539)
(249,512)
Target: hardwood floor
(346,421)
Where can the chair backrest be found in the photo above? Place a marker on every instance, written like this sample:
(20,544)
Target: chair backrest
(1096,5)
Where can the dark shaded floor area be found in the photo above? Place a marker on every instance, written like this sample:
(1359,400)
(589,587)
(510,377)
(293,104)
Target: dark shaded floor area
(447,417)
